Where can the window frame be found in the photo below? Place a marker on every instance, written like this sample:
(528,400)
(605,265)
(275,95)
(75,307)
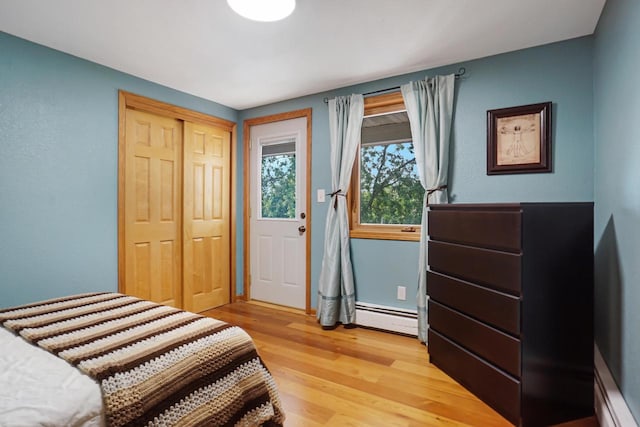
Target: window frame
(379,104)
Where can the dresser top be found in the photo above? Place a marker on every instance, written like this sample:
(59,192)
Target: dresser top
(503,206)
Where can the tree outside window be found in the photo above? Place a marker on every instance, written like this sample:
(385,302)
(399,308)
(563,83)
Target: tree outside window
(389,184)
(278,181)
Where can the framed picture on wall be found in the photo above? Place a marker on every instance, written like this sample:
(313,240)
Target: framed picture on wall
(519,139)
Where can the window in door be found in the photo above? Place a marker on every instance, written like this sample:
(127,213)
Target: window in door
(278,180)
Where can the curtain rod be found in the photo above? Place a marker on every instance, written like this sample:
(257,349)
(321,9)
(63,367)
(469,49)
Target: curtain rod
(457,75)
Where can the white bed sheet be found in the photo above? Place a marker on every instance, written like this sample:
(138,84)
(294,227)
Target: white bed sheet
(40,389)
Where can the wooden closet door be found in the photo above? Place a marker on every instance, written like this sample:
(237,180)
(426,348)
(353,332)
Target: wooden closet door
(206,235)
(153,208)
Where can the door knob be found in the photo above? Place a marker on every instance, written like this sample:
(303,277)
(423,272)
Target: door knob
(302,229)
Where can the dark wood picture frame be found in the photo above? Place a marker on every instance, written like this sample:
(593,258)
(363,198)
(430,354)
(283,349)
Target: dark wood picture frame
(519,139)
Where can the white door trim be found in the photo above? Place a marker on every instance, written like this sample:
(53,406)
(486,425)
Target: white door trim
(246,196)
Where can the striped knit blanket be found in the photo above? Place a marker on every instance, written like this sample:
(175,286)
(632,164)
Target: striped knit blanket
(156,365)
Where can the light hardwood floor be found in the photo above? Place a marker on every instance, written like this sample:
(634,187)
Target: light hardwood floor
(356,377)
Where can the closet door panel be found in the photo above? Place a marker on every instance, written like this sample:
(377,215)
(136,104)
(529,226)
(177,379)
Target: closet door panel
(206,217)
(152,213)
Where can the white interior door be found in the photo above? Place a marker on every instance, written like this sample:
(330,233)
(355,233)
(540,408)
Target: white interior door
(277,212)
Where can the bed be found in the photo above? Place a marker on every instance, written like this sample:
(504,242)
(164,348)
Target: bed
(108,359)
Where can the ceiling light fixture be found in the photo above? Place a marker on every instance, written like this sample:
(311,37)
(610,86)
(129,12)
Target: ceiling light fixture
(263,10)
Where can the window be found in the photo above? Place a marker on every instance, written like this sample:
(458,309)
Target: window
(278,180)
(386,194)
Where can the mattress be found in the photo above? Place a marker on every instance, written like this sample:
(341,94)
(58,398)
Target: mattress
(40,389)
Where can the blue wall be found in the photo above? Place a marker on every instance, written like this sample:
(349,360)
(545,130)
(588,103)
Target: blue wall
(58,169)
(617,193)
(560,72)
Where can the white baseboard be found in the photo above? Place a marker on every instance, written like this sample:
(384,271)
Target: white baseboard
(387,318)
(611,408)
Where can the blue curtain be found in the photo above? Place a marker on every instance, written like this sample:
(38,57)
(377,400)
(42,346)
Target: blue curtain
(336,289)
(429,106)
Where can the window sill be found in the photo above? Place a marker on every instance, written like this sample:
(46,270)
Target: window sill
(377,234)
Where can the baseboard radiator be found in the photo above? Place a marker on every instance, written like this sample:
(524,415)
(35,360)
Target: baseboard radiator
(387,318)
(611,408)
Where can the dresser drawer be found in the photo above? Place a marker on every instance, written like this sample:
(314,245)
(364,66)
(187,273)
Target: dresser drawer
(496,347)
(499,390)
(499,270)
(495,308)
(498,230)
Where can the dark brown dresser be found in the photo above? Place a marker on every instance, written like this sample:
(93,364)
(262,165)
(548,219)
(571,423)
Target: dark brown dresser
(511,306)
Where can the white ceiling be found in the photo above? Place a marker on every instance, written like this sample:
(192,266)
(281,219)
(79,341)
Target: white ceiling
(203,48)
